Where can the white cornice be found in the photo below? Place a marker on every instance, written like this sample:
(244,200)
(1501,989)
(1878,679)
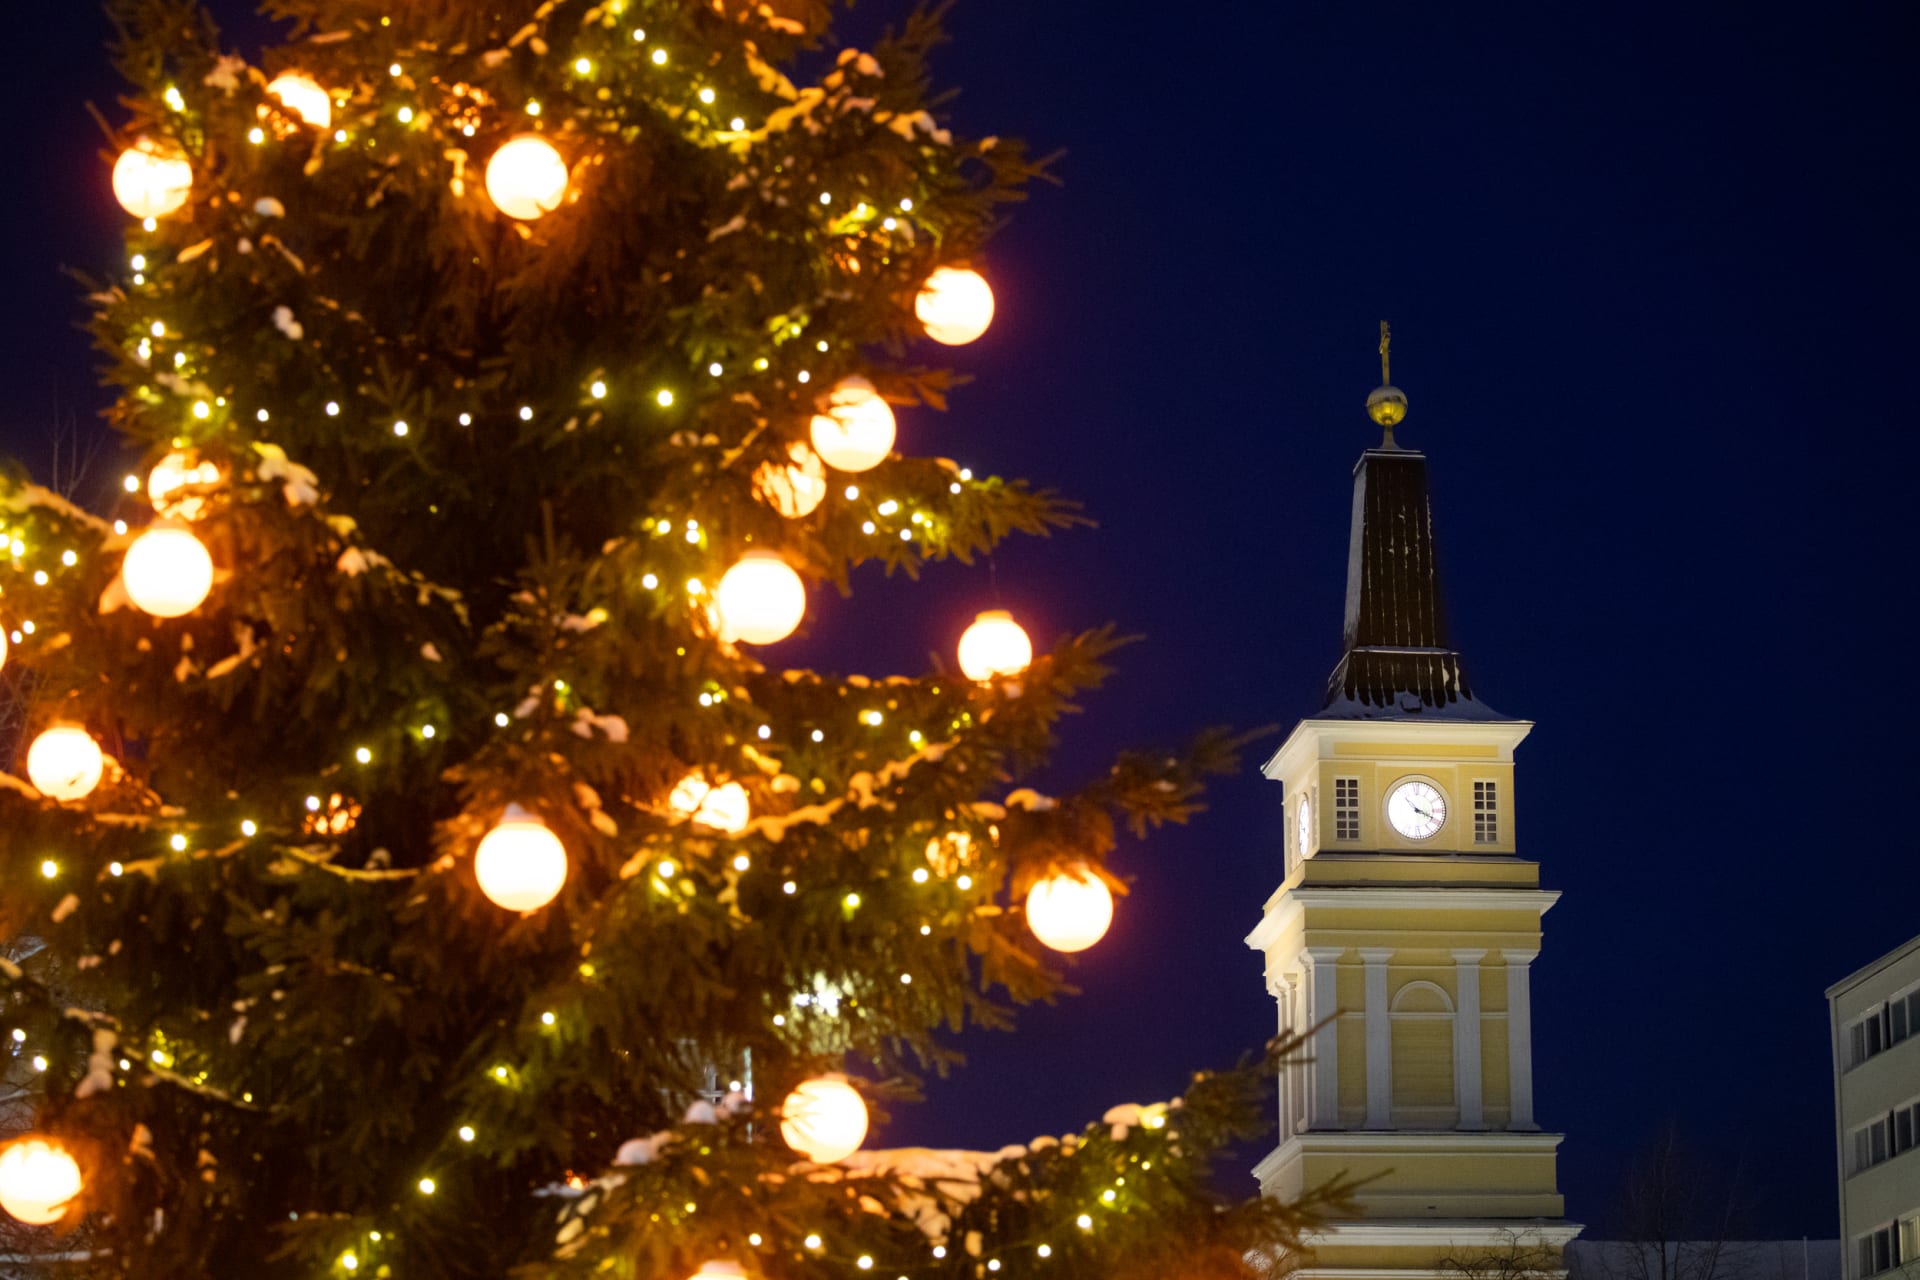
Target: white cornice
(1284,906)
(1427,1141)
(1310,737)
(1455,1232)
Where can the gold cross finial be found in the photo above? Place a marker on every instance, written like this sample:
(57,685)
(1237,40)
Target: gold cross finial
(1388,404)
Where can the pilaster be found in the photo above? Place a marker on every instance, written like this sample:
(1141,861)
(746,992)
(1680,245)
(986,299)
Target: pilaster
(1379,1039)
(1468,1079)
(1323,1009)
(1520,1039)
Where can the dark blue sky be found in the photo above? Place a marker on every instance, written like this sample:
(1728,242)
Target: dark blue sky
(1651,271)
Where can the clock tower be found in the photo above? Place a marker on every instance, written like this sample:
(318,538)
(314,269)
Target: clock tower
(1402,937)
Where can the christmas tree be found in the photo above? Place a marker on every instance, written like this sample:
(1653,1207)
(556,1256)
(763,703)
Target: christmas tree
(425,865)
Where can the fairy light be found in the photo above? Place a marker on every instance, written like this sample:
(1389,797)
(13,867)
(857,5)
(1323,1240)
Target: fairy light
(115,870)
(789,888)
(649,581)
(401,429)
(738,124)
(547,1019)
(256,135)
(501,719)
(819,735)
(920,875)
(852,901)
(174,100)
(526,413)
(249,828)
(741,862)
(715,369)
(178,843)
(427,731)
(363,755)
(50,869)
(706,96)
(584,66)
(405,115)
(598,390)
(333,408)
(428,1186)
(659,57)
(813,1241)
(664,398)
(466,1132)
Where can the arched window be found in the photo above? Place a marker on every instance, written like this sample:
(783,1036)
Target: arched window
(1423,1097)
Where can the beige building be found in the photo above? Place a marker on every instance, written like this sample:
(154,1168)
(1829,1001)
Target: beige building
(1874,1019)
(1404,933)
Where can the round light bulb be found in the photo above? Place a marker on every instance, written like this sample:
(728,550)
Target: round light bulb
(520,864)
(65,763)
(38,1181)
(718,1270)
(174,472)
(856,432)
(303,96)
(955,305)
(527,178)
(151,180)
(825,1119)
(167,572)
(724,808)
(1070,911)
(995,645)
(796,489)
(760,600)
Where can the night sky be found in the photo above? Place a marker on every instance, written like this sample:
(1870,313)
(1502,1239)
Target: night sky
(1650,269)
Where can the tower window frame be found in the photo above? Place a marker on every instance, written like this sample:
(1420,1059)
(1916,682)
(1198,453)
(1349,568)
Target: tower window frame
(1486,811)
(1346,810)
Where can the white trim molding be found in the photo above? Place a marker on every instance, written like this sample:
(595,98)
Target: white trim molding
(1379,1039)
(1323,1002)
(1468,1081)
(1519,1040)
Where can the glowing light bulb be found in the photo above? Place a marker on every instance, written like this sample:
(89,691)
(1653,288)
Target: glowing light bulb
(794,490)
(151,179)
(955,306)
(1070,911)
(719,1270)
(303,96)
(167,572)
(527,178)
(65,763)
(995,645)
(520,864)
(857,430)
(174,472)
(38,1181)
(760,600)
(726,807)
(824,1119)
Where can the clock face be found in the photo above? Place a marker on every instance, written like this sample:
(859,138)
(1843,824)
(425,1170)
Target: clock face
(1416,810)
(1306,826)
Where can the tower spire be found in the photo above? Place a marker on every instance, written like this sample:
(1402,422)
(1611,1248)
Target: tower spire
(1387,406)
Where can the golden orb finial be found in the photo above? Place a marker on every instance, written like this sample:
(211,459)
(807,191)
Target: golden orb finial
(1387,406)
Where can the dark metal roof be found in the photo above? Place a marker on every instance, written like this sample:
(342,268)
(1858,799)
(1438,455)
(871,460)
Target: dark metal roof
(1399,661)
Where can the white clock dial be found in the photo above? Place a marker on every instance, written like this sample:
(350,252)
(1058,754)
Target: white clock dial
(1416,810)
(1306,826)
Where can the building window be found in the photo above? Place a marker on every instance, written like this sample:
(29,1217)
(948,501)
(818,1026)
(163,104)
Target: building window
(1893,1134)
(1884,1027)
(1880,1250)
(1346,808)
(1486,813)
